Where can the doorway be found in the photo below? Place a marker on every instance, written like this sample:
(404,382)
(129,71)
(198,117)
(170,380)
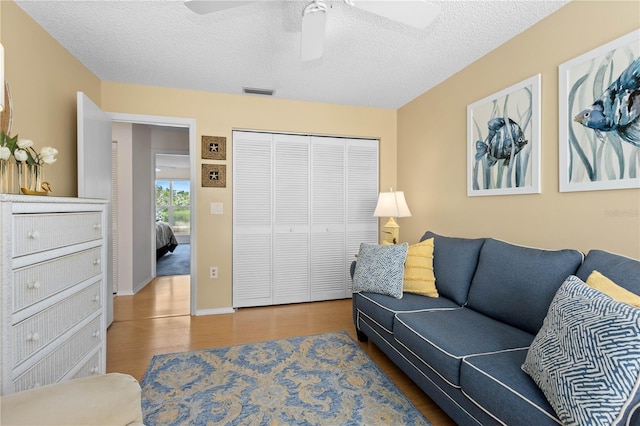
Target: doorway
(141,264)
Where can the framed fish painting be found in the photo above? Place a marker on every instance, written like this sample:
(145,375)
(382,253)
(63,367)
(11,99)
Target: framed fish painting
(600,117)
(503,141)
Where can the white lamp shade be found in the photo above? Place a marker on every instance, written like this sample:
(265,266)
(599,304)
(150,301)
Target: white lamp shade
(392,204)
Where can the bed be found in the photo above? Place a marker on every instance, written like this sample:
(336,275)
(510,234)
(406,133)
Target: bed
(165,239)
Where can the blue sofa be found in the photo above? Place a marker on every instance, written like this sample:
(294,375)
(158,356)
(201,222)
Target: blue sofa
(465,348)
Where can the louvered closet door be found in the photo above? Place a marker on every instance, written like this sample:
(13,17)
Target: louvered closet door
(362,196)
(291,223)
(328,278)
(252,219)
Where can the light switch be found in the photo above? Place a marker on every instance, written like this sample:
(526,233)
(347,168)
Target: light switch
(216,208)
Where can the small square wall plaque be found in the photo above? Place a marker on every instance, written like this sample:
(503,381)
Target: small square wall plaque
(214,147)
(214,175)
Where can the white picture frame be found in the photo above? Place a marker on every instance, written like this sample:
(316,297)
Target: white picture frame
(495,165)
(592,159)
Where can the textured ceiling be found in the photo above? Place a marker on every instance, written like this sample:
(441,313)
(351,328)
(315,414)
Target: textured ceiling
(368,60)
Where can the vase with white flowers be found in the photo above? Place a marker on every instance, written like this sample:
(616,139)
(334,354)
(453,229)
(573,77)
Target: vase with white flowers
(27,164)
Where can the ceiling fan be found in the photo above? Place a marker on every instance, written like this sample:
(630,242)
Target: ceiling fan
(415,13)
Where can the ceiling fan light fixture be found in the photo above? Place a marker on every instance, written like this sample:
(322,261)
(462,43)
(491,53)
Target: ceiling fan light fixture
(314,22)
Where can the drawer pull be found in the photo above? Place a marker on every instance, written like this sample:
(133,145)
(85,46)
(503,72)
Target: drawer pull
(96,262)
(95,334)
(94,370)
(95,298)
(97,226)
(33,337)
(34,235)
(34,285)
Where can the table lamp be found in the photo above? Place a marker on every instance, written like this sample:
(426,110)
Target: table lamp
(391,204)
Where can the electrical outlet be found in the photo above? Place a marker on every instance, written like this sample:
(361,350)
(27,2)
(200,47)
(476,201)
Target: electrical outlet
(213,272)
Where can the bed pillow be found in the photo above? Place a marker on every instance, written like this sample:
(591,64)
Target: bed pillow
(380,269)
(418,270)
(585,358)
(600,282)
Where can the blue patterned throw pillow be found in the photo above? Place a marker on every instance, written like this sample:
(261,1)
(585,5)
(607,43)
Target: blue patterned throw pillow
(586,356)
(380,269)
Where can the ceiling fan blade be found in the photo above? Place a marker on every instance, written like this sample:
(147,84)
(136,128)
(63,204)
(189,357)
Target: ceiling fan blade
(416,13)
(314,22)
(203,7)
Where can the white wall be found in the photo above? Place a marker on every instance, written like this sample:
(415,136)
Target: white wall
(142,207)
(122,134)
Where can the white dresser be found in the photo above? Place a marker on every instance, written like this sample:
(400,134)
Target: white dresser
(52,294)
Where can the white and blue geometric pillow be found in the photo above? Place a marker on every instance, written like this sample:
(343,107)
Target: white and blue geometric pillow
(586,356)
(380,269)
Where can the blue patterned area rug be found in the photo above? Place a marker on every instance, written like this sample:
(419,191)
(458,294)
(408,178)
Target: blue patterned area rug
(324,380)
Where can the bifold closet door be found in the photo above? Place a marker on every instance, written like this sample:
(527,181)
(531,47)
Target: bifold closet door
(291,223)
(327,218)
(362,197)
(252,219)
(302,206)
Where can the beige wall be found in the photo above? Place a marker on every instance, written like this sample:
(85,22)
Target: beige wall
(216,115)
(432,151)
(43,78)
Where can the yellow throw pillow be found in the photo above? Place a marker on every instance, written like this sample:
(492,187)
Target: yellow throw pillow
(600,282)
(418,270)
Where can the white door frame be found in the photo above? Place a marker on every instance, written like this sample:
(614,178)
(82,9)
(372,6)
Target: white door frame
(189,123)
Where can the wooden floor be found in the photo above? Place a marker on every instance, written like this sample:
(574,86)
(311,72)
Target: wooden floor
(157,321)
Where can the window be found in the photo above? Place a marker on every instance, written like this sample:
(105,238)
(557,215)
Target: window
(173,205)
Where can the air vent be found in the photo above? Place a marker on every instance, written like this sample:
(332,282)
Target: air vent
(255,91)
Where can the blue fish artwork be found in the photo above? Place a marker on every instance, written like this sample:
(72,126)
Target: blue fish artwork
(502,142)
(618,108)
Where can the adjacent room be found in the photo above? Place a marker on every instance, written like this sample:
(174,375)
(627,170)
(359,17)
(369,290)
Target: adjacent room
(320,212)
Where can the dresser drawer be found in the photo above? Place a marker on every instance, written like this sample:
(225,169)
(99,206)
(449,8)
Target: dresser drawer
(37,331)
(91,367)
(37,282)
(33,233)
(60,361)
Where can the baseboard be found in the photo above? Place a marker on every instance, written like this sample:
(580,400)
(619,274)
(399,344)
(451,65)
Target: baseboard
(217,311)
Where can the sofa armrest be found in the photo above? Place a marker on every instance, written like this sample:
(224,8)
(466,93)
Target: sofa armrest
(110,399)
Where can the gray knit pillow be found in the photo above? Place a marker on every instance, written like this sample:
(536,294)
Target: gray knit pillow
(380,269)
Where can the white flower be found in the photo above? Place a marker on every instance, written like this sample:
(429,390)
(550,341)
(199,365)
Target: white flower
(47,150)
(20,154)
(25,143)
(5,153)
(47,159)
(47,155)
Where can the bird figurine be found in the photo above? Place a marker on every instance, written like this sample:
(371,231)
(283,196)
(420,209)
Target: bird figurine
(618,108)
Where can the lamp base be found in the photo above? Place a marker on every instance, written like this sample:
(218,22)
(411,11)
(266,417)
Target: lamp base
(391,232)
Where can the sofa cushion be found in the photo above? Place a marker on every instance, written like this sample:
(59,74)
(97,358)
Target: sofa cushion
(586,357)
(515,284)
(622,270)
(600,282)
(440,339)
(382,309)
(380,269)
(418,270)
(496,383)
(454,262)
